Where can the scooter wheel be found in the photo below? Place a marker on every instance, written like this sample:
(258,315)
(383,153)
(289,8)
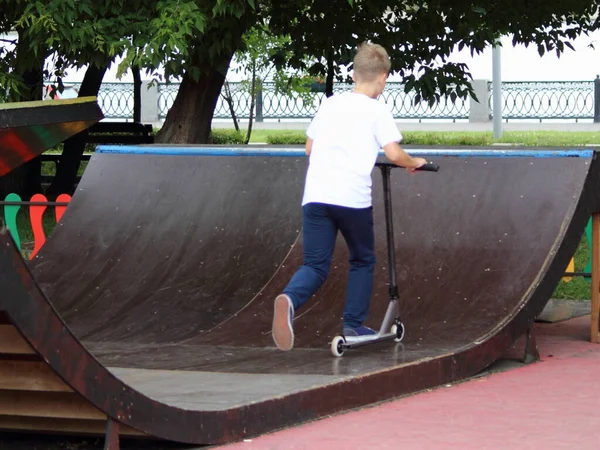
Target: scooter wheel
(337,346)
(398,330)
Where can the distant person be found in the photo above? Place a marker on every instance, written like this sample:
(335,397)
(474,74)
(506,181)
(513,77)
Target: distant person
(50,93)
(343,142)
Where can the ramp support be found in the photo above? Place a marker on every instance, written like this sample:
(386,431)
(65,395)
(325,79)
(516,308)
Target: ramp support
(531,353)
(595,329)
(111,440)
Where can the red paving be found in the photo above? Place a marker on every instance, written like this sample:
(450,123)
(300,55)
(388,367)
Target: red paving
(553,404)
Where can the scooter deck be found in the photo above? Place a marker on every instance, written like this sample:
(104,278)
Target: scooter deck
(359,341)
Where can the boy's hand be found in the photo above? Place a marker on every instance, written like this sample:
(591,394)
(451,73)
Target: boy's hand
(418,163)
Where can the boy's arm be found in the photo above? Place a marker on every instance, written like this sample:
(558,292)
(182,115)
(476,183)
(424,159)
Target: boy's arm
(388,136)
(308,146)
(395,154)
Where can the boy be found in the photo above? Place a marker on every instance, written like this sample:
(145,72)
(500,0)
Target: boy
(343,142)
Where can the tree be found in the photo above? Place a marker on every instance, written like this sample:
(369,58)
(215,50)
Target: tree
(77,34)
(255,60)
(194,41)
(21,79)
(189,39)
(420,35)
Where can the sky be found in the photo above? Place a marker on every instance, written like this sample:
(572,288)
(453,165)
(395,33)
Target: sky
(525,64)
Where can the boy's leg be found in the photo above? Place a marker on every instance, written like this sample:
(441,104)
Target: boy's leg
(319,233)
(356,226)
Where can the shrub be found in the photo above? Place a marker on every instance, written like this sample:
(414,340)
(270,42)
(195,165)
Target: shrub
(446,138)
(226,136)
(288,138)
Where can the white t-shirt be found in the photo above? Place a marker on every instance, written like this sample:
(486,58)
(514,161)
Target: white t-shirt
(348,132)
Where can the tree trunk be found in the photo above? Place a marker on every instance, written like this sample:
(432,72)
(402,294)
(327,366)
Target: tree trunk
(229,100)
(252,103)
(330,75)
(137,94)
(189,119)
(26,179)
(70,159)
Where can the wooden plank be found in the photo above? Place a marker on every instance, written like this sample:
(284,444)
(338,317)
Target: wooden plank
(30,376)
(10,215)
(62,426)
(36,214)
(61,405)
(595,327)
(40,103)
(60,210)
(12,343)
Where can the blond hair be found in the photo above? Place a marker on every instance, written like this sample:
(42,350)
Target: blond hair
(371,60)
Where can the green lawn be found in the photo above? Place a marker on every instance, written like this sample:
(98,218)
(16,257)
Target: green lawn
(451,138)
(529,138)
(578,288)
(24,228)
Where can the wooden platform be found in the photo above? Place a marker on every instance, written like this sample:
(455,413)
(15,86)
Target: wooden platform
(34,398)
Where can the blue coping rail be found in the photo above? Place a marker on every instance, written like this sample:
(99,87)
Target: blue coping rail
(297,152)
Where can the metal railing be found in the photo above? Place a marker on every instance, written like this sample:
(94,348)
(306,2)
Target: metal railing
(115,99)
(271,105)
(572,100)
(547,100)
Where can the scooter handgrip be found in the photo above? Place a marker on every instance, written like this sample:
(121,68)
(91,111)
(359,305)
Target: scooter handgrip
(430,167)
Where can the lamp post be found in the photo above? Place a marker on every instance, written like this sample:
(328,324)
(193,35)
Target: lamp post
(497,89)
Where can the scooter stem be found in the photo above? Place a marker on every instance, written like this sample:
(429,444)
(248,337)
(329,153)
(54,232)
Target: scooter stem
(389,228)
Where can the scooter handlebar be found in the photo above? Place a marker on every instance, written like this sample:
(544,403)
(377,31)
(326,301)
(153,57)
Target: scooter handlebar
(429,167)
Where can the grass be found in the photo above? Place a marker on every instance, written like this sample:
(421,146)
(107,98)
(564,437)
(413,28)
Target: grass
(260,135)
(578,288)
(481,138)
(453,138)
(49,169)
(25,232)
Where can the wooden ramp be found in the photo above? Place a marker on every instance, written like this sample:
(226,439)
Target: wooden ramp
(27,129)
(148,310)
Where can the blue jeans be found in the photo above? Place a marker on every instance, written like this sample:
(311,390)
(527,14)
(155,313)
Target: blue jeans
(321,223)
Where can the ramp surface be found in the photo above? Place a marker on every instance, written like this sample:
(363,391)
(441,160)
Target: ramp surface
(27,129)
(153,297)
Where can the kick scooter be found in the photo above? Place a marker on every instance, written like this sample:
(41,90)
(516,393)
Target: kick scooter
(391,327)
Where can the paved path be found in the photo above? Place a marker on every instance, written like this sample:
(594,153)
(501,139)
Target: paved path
(553,404)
